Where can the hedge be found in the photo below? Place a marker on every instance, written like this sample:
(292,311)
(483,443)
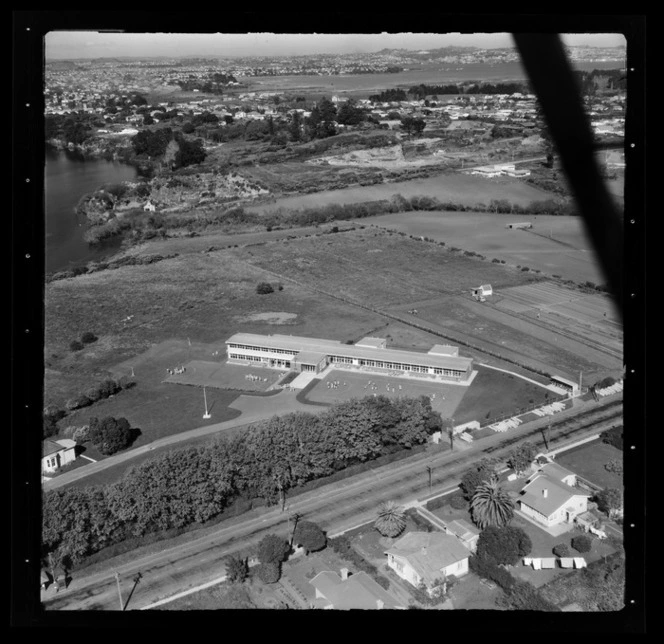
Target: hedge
(582,543)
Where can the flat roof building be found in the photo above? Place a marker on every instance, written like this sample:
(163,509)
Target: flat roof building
(299,353)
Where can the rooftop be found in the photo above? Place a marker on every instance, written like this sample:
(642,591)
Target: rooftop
(557,494)
(429,552)
(358,591)
(333,347)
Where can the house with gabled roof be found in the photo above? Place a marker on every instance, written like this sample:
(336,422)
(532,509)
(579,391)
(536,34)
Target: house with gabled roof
(428,558)
(351,591)
(57,453)
(551,498)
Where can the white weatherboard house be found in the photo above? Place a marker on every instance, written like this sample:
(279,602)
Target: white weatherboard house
(428,557)
(550,498)
(56,454)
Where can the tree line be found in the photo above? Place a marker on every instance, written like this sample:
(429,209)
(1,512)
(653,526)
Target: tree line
(195,484)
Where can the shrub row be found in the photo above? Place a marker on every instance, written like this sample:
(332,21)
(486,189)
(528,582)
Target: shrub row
(519,595)
(107,388)
(193,485)
(93,267)
(613,436)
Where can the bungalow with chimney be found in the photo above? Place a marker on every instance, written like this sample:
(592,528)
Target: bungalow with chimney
(551,498)
(428,558)
(348,591)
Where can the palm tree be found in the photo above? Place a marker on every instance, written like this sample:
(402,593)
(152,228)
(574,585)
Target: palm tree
(391,521)
(491,505)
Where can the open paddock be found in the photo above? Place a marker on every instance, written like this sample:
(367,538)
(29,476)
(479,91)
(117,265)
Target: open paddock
(591,309)
(375,268)
(592,318)
(445,398)
(455,187)
(223,375)
(525,341)
(556,245)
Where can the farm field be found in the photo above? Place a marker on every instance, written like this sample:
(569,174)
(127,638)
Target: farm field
(556,245)
(378,269)
(593,318)
(459,188)
(517,338)
(588,462)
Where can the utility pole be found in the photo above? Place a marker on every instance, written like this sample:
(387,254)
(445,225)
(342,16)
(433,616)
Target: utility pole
(296,518)
(117,579)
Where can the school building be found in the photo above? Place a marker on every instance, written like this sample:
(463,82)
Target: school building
(289,352)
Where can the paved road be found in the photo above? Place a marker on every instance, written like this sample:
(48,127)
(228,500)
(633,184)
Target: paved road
(197,558)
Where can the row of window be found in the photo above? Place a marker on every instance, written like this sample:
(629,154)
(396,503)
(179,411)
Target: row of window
(237,356)
(348,360)
(263,349)
(397,366)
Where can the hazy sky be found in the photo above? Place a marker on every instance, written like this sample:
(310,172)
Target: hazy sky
(89,44)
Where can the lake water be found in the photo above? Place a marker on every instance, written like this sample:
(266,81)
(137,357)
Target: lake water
(362,85)
(67,179)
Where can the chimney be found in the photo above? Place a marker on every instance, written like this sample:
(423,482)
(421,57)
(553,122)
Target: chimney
(545,493)
(344,573)
(380,603)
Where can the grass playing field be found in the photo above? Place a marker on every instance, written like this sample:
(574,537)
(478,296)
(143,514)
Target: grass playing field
(221,375)
(339,385)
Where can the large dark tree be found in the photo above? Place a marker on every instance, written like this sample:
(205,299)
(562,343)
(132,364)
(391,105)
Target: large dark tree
(504,545)
(521,457)
(152,142)
(413,125)
(309,536)
(110,435)
(477,474)
(321,121)
(237,569)
(350,114)
(190,153)
(273,549)
(610,501)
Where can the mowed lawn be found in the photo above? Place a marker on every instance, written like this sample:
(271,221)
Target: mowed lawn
(588,462)
(341,385)
(494,394)
(159,411)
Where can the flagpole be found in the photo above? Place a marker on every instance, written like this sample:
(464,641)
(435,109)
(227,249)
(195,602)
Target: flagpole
(206,415)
